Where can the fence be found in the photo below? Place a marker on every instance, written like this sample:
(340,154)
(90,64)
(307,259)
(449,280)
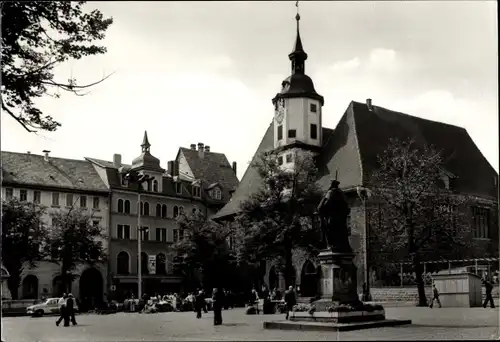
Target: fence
(403,274)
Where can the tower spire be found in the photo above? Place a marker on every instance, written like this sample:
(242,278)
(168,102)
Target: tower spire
(298,55)
(145,143)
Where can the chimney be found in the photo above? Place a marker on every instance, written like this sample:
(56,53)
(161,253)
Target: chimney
(234,167)
(29,152)
(176,168)
(117,160)
(207,148)
(46,157)
(200,149)
(369,104)
(170,168)
(193,146)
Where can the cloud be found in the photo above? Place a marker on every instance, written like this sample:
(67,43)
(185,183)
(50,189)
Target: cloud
(346,66)
(382,59)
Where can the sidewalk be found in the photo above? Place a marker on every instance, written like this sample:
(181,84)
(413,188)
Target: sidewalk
(395,304)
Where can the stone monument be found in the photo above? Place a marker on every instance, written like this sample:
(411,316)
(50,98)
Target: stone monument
(339,274)
(339,308)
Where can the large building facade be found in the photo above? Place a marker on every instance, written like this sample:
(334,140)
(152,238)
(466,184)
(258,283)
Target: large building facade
(349,153)
(197,180)
(59,185)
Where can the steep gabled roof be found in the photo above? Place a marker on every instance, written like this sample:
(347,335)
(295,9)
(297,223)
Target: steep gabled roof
(461,156)
(212,168)
(351,151)
(31,169)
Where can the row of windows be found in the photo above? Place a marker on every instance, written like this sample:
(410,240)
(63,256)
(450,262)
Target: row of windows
(292,133)
(153,186)
(71,199)
(161,210)
(313,107)
(288,157)
(123,263)
(123,232)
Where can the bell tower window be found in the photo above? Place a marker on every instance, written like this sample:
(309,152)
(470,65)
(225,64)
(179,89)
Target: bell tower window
(292,133)
(313,108)
(280,132)
(314,131)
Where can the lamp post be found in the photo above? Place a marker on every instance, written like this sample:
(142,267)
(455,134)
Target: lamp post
(138,179)
(363,195)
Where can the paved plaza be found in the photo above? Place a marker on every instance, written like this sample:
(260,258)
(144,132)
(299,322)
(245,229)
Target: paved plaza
(445,323)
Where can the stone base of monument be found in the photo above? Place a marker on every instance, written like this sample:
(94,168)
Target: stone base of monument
(339,289)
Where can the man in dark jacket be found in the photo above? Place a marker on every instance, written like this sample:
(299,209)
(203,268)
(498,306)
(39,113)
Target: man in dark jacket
(70,307)
(199,303)
(290,300)
(218,301)
(489,297)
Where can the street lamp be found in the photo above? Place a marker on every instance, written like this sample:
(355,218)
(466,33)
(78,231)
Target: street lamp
(138,179)
(363,195)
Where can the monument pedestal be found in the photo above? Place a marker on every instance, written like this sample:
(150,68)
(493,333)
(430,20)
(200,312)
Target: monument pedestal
(338,278)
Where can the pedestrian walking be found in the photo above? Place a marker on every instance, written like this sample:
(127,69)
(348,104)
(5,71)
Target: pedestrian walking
(218,301)
(435,296)
(70,307)
(290,300)
(489,298)
(62,310)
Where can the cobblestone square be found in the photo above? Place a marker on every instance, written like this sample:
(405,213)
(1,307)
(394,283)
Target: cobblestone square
(443,324)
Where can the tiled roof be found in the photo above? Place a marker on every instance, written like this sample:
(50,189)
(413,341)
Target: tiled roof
(212,168)
(361,135)
(33,170)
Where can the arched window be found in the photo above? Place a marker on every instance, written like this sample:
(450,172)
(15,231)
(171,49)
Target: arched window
(158,209)
(122,263)
(144,263)
(146,208)
(127,207)
(176,211)
(161,264)
(164,211)
(120,205)
(155,185)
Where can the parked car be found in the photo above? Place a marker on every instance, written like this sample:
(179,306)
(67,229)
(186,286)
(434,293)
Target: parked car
(50,306)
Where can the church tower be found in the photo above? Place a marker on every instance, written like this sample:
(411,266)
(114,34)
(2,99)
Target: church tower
(298,109)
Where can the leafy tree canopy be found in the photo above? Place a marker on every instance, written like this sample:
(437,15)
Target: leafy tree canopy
(413,211)
(36,37)
(23,235)
(279,216)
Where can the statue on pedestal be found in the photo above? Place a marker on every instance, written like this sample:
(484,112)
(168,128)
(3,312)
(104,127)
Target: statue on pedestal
(333,211)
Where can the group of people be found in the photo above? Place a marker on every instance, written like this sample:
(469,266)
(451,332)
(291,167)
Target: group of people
(66,310)
(488,300)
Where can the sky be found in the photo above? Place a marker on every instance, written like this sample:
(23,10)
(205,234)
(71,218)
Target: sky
(190,72)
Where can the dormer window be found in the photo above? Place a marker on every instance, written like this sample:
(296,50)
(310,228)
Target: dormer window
(178,188)
(196,191)
(124,180)
(217,194)
(155,185)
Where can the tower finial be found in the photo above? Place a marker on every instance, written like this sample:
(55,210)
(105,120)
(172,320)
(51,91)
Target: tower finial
(298,56)
(145,143)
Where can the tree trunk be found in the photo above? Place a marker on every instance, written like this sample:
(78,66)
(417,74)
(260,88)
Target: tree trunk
(13,284)
(422,299)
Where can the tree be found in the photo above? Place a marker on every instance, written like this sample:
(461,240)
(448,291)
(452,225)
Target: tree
(75,239)
(203,251)
(23,234)
(412,212)
(279,217)
(36,37)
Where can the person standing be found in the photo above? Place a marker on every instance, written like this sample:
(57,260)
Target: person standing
(199,303)
(290,300)
(489,297)
(435,296)
(218,301)
(62,310)
(70,307)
